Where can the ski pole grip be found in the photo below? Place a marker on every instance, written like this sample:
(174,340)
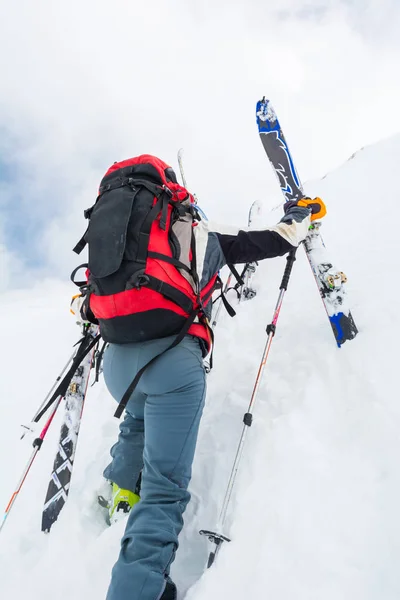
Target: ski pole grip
(291,257)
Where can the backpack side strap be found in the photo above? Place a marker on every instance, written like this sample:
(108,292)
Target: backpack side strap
(74,272)
(239,278)
(125,398)
(190,320)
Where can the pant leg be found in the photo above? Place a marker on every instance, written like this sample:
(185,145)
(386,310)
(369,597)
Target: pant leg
(174,387)
(127,452)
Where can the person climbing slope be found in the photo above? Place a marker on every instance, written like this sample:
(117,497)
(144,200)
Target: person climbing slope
(152,269)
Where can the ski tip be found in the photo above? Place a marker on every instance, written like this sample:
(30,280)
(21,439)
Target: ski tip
(266,117)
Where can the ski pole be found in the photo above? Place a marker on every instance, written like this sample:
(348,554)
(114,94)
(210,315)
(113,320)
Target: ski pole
(215,537)
(26,427)
(180,162)
(37,444)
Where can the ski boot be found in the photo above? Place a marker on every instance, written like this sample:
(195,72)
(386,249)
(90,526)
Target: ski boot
(121,503)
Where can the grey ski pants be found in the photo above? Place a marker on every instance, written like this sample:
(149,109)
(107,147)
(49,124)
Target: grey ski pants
(159,433)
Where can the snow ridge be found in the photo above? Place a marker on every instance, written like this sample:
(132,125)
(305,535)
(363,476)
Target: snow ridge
(315,508)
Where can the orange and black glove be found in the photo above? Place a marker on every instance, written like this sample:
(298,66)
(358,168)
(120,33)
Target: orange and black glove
(316,205)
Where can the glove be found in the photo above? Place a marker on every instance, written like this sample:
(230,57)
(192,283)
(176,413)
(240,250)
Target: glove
(317,206)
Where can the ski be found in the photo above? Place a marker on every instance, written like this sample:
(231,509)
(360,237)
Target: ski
(248,292)
(330,281)
(242,286)
(60,479)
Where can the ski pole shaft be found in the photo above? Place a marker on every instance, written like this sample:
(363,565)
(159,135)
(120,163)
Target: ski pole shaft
(180,162)
(217,538)
(248,417)
(50,391)
(89,341)
(37,444)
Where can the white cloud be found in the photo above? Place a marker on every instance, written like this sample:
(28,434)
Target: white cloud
(85,83)
(11,269)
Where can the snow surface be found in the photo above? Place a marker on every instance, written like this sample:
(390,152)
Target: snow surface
(315,509)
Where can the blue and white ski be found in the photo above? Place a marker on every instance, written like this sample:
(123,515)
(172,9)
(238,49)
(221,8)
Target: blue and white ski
(330,281)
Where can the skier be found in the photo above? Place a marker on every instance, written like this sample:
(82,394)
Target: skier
(153,456)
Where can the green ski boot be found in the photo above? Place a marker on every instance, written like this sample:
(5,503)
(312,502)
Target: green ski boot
(120,504)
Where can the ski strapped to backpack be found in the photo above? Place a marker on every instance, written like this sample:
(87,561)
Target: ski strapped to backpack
(85,345)
(142,279)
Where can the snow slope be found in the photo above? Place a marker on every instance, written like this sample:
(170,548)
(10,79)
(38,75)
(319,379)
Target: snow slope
(315,509)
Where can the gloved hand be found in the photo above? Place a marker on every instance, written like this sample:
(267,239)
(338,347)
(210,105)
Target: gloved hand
(316,205)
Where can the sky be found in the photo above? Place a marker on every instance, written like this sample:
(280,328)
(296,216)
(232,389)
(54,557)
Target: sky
(86,83)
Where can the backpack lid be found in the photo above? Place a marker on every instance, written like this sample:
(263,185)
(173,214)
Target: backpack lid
(144,165)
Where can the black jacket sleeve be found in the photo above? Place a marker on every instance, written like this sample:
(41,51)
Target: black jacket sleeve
(250,246)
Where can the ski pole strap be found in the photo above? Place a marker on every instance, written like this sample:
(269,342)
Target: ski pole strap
(291,257)
(125,398)
(84,349)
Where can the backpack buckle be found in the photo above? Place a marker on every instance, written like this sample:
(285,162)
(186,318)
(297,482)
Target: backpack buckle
(138,280)
(167,191)
(86,289)
(141,281)
(131,182)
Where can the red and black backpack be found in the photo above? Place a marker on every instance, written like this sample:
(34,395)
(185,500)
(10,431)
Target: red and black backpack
(142,282)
